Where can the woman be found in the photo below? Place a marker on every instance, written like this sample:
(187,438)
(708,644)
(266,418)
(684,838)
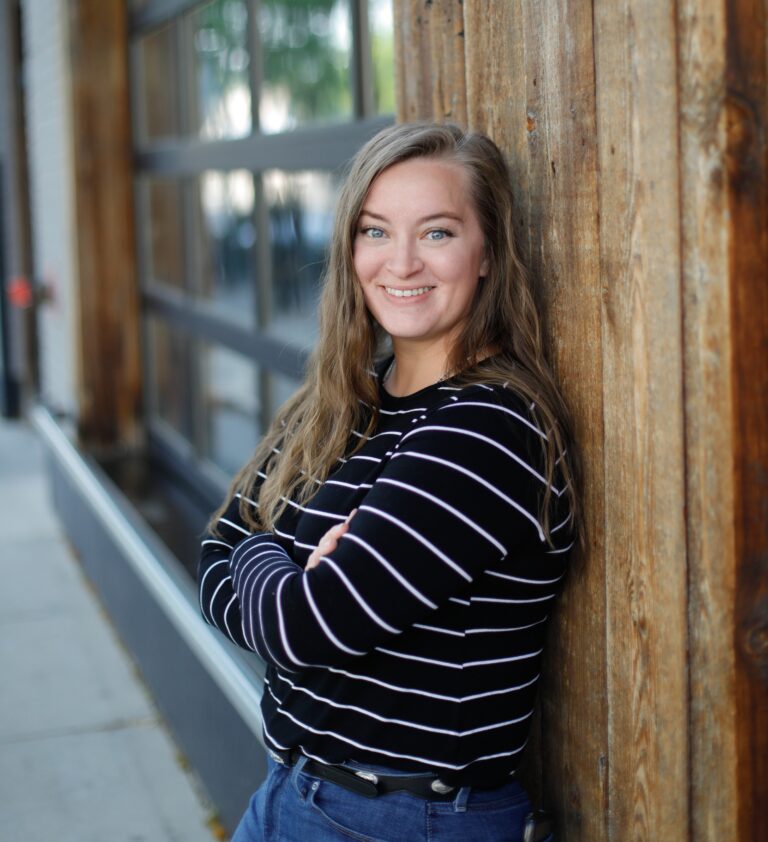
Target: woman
(394,547)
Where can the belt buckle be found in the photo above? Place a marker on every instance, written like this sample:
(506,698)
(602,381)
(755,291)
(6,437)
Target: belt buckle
(367,776)
(440,788)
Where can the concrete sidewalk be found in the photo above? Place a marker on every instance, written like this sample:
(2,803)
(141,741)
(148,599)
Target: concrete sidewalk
(84,756)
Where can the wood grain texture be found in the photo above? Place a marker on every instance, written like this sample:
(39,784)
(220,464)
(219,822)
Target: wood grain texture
(530,86)
(635,60)
(706,233)
(747,177)
(446,36)
(109,339)
(413,63)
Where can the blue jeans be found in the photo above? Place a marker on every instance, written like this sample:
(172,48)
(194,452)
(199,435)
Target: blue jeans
(293,806)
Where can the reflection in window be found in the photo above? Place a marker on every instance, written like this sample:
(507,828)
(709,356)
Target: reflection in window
(382,55)
(301,207)
(168,375)
(229,384)
(159,91)
(226,243)
(165,235)
(306,63)
(223,106)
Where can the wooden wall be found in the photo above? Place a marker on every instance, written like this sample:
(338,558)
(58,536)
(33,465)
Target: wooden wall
(109,382)
(637,142)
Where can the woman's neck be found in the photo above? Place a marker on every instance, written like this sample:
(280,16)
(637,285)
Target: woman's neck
(413,369)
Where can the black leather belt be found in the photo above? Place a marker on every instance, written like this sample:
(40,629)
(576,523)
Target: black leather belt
(372,784)
(538,826)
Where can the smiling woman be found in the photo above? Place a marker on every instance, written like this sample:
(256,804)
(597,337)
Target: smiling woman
(394,547)
(419,254)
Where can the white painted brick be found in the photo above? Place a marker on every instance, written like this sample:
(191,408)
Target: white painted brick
(51,171)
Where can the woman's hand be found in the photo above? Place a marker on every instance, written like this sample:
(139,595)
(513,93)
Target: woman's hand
(328,542)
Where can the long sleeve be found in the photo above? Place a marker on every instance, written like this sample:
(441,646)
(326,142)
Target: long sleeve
(219,603)
(458,495)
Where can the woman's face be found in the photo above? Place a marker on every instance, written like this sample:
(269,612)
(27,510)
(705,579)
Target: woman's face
(419,251)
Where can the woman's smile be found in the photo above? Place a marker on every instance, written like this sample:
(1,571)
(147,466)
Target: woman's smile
(409,294)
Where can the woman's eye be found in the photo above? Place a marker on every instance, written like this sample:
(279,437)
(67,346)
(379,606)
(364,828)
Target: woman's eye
(373,233)
(438,234)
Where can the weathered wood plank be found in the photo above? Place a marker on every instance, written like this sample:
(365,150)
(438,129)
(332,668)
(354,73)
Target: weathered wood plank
(635,60)
(109,348)
(530,85)
(413,62)
(708,411)
(446,37)
(747,174)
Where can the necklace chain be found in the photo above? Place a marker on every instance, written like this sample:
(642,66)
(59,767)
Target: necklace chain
(391,367)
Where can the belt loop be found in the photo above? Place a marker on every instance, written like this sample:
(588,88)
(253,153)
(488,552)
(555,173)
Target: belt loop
(460,801)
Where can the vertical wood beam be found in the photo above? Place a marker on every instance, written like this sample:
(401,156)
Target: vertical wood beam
(446,31)
(747,178)
(108,298)
(530,86)
(705,232)
(429,64)
(413,73)
(635,61)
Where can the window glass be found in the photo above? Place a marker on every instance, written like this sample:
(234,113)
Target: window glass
(226,244)
(163,232)
(306,53)
(168,375)
(222,105)
(300,207)
(230,389)
(382,55)
(157,56)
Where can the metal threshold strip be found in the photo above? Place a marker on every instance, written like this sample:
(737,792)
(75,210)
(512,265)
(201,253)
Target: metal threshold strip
(175,595)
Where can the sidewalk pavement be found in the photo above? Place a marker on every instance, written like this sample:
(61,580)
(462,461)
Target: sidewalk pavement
(84,756)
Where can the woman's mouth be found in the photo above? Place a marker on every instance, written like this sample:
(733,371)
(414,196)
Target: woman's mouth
(407,293)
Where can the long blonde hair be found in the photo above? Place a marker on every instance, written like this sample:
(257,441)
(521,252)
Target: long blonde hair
(311,430)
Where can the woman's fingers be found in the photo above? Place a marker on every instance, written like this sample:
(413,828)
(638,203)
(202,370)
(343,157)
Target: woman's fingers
(328,542)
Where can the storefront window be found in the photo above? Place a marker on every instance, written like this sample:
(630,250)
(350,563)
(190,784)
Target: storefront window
(307,50)
(227,243)
(222,105)
(301,209)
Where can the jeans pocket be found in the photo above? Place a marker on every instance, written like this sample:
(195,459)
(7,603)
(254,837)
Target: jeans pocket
(347,813)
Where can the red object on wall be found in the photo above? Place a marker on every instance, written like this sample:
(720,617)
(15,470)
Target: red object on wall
(19,292)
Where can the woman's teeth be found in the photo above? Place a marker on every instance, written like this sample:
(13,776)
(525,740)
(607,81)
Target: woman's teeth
(406,293)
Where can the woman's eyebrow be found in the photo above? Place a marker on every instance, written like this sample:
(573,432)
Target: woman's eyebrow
(429,218)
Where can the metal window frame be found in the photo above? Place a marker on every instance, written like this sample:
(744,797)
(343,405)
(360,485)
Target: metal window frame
(321,146)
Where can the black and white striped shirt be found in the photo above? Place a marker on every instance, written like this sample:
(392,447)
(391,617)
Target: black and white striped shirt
(416,643)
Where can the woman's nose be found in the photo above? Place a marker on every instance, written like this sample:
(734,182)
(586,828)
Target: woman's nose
(404,259)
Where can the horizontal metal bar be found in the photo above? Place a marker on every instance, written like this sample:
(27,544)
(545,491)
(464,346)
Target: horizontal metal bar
(157,12)
(321,147)
(160,572)
(185,466)
(198,320)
